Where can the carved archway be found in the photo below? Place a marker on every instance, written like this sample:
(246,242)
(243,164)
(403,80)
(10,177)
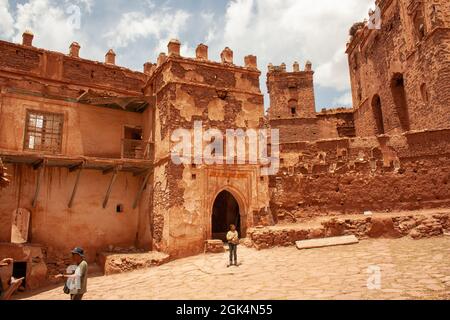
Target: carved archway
(227,207)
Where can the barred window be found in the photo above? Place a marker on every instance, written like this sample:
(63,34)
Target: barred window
(43,132)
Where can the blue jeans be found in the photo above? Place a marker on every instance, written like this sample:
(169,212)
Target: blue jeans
(233,253)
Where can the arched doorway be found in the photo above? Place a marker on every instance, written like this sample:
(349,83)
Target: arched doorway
(225,212)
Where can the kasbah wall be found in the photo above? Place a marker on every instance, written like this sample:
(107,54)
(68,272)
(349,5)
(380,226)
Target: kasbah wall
(399,159)
(390,152)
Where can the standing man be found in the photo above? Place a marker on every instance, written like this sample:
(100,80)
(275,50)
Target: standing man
(233,241)
(77,281)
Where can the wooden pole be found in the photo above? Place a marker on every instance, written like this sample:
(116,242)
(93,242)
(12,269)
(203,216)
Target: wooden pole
(108,192)
(141,190)
(75,188)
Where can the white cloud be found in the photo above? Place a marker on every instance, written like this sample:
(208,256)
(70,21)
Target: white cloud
(162,26)
(334,72)
(209,20)
(49,23)
(53,25)
(83,4)
(293,30)
(6,20)
(345,100)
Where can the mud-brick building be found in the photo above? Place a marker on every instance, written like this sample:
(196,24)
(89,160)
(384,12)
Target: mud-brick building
(398,157)
(88,148)
(75,138)
(400,74)
(195,202)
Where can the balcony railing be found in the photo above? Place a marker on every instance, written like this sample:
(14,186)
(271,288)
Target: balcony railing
(136,149)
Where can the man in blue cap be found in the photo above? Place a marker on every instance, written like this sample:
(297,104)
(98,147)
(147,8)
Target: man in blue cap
(76,283)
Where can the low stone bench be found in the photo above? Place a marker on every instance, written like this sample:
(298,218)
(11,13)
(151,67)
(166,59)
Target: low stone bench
(214,246)
(326,242)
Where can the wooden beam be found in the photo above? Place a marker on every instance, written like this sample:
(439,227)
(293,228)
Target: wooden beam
(141,190)
(108,192)
(76,167)
(85,93)
(141,107)
(38,184)
(140,173)
(75,187)
(109,170)
(37,164)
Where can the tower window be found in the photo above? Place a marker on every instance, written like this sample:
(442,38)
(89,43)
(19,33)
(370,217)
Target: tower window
(293,107)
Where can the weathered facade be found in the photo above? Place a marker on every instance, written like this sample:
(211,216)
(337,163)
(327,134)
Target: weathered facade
(219,95)
(88,145)
(74,140)
(400,74)
(399,158)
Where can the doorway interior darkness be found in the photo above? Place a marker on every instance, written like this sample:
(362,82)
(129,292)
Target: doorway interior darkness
(225,212)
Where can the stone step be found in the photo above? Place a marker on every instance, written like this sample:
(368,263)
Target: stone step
(114,263)
(326,242)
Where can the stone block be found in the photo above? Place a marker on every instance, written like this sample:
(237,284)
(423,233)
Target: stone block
(326,242)
(214,246)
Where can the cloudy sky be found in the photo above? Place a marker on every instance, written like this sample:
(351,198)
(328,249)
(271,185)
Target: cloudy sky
(275,31)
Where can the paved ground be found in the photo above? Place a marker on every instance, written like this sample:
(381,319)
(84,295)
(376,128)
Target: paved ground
(409,269)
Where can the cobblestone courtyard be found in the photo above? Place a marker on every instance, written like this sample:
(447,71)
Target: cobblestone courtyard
(410,269)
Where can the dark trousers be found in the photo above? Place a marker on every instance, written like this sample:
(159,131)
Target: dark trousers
(233,253)
(76,297)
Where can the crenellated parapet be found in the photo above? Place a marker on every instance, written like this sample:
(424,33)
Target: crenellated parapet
(222,76)
(65,76)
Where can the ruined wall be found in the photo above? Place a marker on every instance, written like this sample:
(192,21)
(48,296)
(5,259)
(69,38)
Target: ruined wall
(400,74)
(346,176)
(330,124)
(222,96)
(395,225)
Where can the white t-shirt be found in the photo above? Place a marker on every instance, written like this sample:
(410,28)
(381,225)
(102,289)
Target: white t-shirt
(233,237)
(74,284)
